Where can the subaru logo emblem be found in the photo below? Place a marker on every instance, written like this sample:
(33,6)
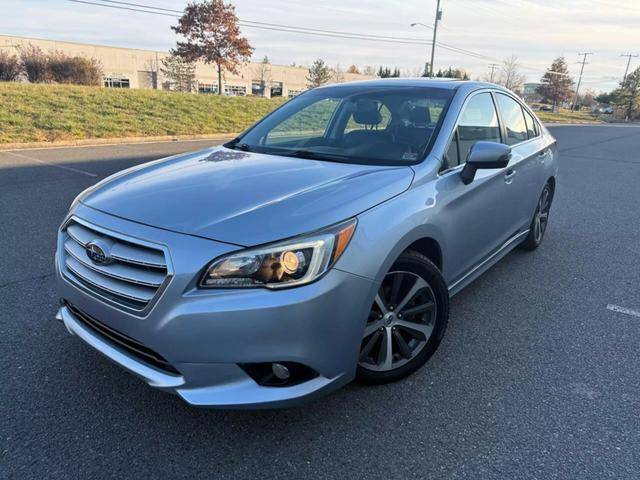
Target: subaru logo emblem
(98,252)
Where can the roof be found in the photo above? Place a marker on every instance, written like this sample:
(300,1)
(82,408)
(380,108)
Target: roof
(446,83)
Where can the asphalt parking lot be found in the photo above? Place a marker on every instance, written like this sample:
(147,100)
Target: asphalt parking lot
(538,376)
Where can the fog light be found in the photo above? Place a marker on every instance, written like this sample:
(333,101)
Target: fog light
(280,371)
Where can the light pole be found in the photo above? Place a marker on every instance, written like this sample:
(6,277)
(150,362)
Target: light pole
(435,32)
(428,70)
(584,62)
(493,67)
(626,71)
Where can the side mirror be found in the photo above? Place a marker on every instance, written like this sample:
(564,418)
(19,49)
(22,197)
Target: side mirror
(485,155)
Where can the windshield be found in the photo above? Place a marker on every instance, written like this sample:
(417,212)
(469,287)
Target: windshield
(372,125)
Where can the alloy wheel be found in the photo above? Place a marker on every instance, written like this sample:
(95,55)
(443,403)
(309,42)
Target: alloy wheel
(542,214)
(400,324)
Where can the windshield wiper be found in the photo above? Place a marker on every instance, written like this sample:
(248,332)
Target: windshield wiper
(236,144)
(242,146)
(311,155)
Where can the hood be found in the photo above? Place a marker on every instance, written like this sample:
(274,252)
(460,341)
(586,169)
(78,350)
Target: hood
(245,198)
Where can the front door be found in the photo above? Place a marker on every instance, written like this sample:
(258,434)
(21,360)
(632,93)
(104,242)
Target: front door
(480,216)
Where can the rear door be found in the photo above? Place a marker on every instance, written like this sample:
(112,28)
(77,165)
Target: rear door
(522,133)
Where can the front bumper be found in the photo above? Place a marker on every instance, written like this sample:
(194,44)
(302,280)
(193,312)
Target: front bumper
(207,334)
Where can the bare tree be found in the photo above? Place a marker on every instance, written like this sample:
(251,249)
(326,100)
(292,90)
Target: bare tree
(181,75)
(10,67)
(263,74)
(338,74)
(510,75)
(34,61)
(369,71)
(588,98)
(353,69)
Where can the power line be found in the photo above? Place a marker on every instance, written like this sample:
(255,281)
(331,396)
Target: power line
(141,8)
(252,22)
(261,25)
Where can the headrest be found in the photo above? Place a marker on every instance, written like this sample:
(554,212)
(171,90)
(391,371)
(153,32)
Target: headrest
(366,113)
(419,115)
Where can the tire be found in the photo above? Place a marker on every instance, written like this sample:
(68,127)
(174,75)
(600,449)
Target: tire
(538,227)
(413,332)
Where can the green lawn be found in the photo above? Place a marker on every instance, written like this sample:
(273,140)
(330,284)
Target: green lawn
(567,116)
(36,113)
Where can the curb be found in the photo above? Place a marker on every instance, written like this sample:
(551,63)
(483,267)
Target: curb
(93,142)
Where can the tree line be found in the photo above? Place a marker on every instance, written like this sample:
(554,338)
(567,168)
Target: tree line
(209,32)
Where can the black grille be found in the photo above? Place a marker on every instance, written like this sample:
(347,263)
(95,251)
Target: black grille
(131,346)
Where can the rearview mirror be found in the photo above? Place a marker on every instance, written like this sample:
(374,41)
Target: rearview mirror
(485,155)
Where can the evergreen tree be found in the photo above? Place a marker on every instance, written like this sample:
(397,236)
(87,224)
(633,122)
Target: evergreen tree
(319,74)
(556,84)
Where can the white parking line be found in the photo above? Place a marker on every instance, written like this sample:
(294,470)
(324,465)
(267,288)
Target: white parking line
(626,311)
(63,167)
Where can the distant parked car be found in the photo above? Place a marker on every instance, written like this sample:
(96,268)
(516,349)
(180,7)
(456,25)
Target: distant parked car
(319,246)
(546,108)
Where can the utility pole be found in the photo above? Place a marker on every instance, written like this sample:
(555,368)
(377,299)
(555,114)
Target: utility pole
(493,67)
(626,71)
(584,62)
(435,30)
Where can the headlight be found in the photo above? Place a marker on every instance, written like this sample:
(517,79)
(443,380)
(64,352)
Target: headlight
(293,262)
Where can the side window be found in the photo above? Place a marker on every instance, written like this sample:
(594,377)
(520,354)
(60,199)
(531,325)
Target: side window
(513,119)
(532,128)
(478,121)
(451,157)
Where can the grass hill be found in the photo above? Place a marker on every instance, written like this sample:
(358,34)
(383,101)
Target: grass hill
(37,113)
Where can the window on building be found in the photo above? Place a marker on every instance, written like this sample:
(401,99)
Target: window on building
(513,118)
(114,81)
(147,79)
(257,88)
(235,90)
(207,88)
(276,89)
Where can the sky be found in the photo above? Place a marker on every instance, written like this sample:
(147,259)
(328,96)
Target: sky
(536,31)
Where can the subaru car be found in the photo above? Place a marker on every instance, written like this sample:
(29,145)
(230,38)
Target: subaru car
(320,246)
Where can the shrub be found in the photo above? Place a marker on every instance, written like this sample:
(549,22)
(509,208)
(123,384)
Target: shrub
(10,67)
(62,68)
(34,61)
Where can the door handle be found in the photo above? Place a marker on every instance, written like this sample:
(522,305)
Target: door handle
(509,174)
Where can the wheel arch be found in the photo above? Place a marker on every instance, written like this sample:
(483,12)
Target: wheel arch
(552,181)
(426,240)
(430,248)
